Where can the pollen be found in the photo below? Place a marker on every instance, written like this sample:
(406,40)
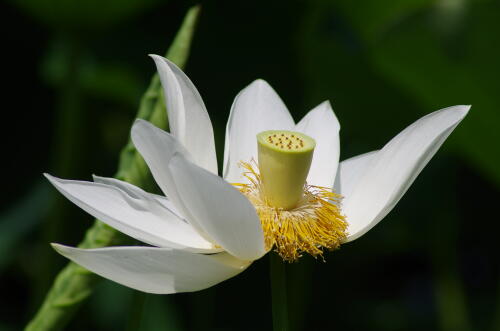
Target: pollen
(314,225)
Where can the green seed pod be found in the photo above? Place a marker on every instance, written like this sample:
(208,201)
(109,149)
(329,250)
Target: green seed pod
(284,161)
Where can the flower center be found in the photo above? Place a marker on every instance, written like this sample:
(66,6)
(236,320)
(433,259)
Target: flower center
(284,161)
(295,217)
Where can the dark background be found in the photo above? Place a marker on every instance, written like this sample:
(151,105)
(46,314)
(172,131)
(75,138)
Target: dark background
(73,74)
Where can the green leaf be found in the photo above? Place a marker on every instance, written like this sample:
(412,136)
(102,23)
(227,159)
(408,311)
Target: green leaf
(377,16)
(440,69)
(398,61)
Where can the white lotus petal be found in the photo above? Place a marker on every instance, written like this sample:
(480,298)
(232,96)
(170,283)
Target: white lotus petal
(156,270)
(220,209)
(395,167)
(255,109)
(138,216)
(137,192)
(322,125)
(188,118)
(350,171)
(157,147)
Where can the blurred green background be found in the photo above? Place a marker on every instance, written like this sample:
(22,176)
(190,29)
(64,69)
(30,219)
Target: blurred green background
(74,73)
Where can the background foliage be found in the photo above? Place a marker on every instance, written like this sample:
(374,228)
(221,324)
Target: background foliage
(75,74)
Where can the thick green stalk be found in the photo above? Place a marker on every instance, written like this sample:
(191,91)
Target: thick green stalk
(278,292)
(74,284)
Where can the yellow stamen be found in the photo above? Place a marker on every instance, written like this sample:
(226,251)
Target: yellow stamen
(313,225)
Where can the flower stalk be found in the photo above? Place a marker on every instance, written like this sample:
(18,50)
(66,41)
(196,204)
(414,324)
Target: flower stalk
(278,292)
(74,284)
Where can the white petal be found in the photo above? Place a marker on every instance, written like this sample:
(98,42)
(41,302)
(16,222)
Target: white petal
(137,192)
(188,118)
(395,167)
(350,171)
(156,270)
(322,125)
(157,147)
(136,215)
(255,109)
(220,209)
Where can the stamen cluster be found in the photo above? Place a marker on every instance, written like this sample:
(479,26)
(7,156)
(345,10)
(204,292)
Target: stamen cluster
(314,224)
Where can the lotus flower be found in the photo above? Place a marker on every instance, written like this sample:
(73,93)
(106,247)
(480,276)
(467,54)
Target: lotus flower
(282,188)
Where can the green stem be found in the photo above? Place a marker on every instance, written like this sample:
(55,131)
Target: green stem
(451,300)
(495,325)
(74,284)
(278,292)
(136,312)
